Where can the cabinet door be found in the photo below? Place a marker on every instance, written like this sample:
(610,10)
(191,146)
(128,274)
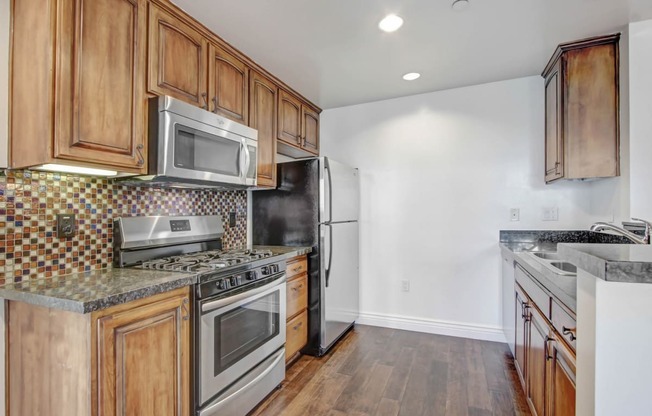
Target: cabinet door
(561,386)
(289,119)
(537,354)
(177,59)
(310,130)
(521,319)
(100,98)
(143,359)
(228,89)
(296,335)
(554,137)
(263,95)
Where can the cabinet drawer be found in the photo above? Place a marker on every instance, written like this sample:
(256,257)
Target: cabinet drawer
(564,323)
(296,335)
(536,293)
(297,295)
(297,266)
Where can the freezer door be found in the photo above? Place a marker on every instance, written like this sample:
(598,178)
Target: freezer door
(339,280)
(340,192)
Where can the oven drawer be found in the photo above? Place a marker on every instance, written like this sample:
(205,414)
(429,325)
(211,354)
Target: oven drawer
(296,335)
(297,296)
(298,265)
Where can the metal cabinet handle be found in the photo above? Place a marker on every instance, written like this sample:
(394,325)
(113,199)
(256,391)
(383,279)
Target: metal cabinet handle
(205,106)
(296,269)
(184,308)
(547,348)
(297,326)
(299,140)
(214,105)
(569,331)
(141,158)
(298,287)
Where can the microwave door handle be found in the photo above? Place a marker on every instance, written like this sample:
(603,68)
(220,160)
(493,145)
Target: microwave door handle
(243,161)
(248,161)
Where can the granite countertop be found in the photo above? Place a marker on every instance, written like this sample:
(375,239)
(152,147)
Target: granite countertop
(96,290)
(631,263)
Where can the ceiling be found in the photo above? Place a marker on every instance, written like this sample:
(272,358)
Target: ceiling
(333,53)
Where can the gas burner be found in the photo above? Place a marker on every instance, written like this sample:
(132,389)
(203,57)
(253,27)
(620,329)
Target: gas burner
(205,261)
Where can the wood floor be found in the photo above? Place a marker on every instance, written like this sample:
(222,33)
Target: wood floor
(386,372)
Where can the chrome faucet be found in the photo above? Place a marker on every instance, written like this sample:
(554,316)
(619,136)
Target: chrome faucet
(601,226)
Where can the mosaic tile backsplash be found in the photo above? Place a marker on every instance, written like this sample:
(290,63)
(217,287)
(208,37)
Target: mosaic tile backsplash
(30,201)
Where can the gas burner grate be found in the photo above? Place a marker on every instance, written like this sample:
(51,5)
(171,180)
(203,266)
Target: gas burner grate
(205,261)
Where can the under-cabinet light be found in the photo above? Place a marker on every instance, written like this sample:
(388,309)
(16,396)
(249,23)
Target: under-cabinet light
(53,167)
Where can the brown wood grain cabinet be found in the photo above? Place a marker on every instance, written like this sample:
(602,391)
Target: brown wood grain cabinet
(130,359)
(177,58)
(582,110)
(77,83)
(298,126)
(263,106)
(544,359)
(297,308)
(228,85)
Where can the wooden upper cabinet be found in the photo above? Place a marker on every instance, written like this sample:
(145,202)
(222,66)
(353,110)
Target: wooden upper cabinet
(143,358)
(95,76)
(228,90)
(298,126)
(554,138)
(262,117)
(582,110)
(289,118)
(177,58)
(310,131)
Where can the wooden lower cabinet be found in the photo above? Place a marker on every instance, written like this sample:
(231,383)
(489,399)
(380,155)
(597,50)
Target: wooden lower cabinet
(544,359)
(132,359)
(297,308)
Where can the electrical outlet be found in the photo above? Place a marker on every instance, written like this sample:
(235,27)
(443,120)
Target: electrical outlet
(405,285)
(66,225)
(232,219)
(514,214)
(550,214)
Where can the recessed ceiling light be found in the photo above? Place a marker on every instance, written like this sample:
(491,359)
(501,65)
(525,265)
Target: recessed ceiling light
(460,5)
(411,76)
(390,23)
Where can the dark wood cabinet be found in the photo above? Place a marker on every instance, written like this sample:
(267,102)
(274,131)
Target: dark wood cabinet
(81,99)
(177,58)
(263,95)
(544,360)
(582,110)
(129,359)
(228,85)
(298,126)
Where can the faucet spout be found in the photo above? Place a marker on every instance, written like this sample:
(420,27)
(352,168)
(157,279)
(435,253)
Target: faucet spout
(603,226)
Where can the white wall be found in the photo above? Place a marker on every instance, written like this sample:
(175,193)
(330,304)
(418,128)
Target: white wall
(640,102)
(439,173)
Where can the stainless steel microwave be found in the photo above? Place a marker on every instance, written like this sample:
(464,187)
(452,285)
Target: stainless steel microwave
(193,148)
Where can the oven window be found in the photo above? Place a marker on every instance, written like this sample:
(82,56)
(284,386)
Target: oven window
(197,150)
(242,330)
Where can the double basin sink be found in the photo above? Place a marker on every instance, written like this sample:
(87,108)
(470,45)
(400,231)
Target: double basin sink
(551,260)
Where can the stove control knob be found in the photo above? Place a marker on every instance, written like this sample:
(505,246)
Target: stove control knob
(274,268)
(251,275)
(222,284)
(264,270)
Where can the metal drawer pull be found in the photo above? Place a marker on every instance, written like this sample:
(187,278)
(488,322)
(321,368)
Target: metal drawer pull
(184,307)
(569,331)
(296,269)
(298,287)
(297,326)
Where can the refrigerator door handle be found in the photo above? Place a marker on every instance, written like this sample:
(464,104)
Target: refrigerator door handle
(327,168)
(330,252)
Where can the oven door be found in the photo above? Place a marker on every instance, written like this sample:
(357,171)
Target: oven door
(237,333)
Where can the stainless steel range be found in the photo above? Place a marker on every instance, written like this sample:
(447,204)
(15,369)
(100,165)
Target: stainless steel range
(239,306)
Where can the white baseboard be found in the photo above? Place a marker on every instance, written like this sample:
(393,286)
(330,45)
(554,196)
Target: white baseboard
(431,326)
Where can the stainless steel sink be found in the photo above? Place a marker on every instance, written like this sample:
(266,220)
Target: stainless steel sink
(547,255)
(552,261)
(564,266)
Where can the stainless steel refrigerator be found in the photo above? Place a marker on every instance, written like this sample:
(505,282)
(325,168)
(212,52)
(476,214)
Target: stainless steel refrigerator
(316,204)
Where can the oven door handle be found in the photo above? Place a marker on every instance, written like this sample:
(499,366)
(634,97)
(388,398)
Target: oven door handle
(220,303)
